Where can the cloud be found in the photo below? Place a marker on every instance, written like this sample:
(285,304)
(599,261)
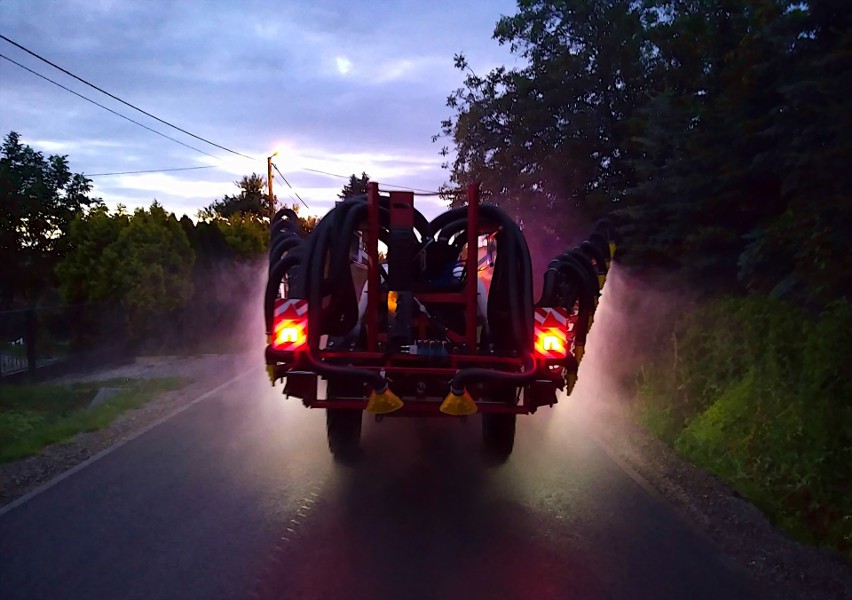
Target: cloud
(344,65)
(337,87)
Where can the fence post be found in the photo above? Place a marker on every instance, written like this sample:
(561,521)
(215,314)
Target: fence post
(30,328)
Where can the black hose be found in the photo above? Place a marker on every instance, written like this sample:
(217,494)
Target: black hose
(284,212)
(318,248)
(588,267)
(512,270)
(465,376)
(276,274)
(584,291)
(593,253)
(284,225)
(283,246)
(600,242)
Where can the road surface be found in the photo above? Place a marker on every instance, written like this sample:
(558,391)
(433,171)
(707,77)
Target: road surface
(237,497)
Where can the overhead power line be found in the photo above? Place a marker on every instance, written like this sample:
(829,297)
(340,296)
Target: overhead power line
(118,114)
(114,97)
(403,187)
(148,171)
(278,179)
(274,166)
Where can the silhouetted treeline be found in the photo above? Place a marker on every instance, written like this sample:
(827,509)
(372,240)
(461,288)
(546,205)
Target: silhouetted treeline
(717,131)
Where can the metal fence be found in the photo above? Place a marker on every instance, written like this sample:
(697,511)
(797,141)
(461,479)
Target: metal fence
(36,343)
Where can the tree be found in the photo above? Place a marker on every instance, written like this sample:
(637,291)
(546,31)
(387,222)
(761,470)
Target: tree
(245,234)
(39,198)
(88,272)
(306,223)
(156,265)
(549,134)
(805,253)
(707,150)
(253,198)
(357,186)
(717,130)
(142,261)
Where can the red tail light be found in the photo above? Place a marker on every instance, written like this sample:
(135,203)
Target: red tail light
(551,333)
(290,324)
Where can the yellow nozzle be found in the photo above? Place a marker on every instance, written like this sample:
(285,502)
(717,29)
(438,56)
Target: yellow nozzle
(270,370)
(601,281)
(578,352)
(612,249)
(458,405)
(382,403)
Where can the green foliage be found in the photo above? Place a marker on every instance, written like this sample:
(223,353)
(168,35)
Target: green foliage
(718,131)
(237,226)
(156,264)
(88,271)
(245,234)
(39,198)
(253,199)
(143,261)
(550,135)
(757,391)
(35,416)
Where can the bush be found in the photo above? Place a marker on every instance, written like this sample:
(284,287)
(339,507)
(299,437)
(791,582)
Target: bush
(756,391)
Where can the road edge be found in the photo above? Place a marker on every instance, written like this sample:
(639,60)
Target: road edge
(21,500)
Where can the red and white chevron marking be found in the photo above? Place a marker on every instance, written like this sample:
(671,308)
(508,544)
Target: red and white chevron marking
(290,324)
(290,308)
(551,332)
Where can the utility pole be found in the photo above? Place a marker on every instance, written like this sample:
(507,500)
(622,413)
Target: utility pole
(269,185)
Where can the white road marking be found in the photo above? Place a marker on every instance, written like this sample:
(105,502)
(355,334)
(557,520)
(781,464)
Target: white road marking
(106,451)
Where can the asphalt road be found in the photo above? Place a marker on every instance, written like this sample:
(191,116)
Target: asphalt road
(237,497)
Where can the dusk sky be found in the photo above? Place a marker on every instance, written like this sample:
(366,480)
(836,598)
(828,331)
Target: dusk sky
(334,86)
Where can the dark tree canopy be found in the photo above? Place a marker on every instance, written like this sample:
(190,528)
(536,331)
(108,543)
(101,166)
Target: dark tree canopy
(253,198)
(717,131)
(39,198)
(357,186)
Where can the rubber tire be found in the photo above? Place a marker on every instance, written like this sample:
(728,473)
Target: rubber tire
(498,435)
(343,427)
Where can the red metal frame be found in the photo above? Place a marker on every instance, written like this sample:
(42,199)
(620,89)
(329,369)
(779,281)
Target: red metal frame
(472,266)
(426,407)
(402,215)
(372,265)
(456,360)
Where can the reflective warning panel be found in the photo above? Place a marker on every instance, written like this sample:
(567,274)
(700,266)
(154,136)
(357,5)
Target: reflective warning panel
(551,332)
(290,324)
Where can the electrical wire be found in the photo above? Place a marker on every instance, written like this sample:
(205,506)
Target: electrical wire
(148,171)
(417,191)
(114,97)
(292,197)
(403,187)
(98,104)
(274,166)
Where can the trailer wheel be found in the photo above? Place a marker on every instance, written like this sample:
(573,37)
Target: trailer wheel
(498,435)
(343,427)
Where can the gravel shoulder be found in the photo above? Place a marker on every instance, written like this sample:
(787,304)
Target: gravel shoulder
(204,372)
(786,569)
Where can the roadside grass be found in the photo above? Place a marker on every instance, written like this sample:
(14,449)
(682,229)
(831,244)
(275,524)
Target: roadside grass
(35,416)
(757,391)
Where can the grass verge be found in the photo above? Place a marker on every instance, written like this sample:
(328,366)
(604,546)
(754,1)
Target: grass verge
(35,416)
(757,391)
